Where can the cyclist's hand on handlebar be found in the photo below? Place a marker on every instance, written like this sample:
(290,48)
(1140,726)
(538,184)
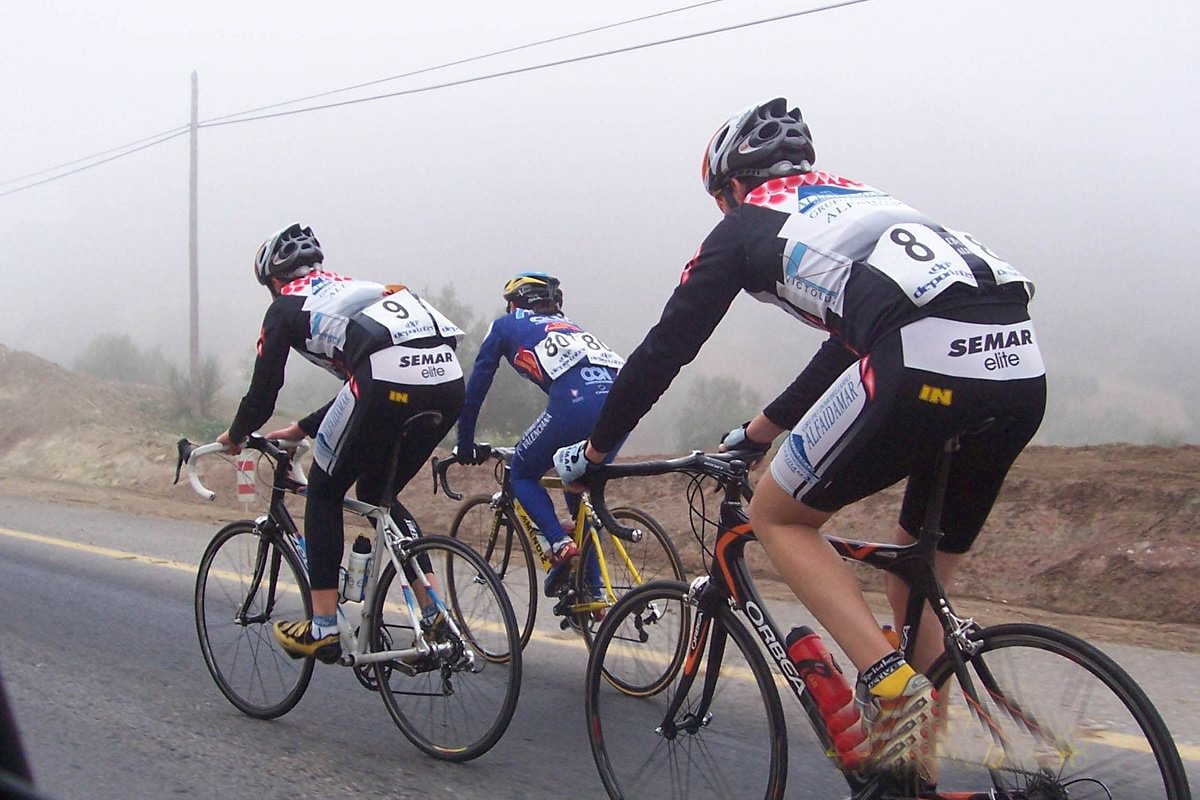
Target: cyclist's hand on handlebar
(292,433)
(572,463)
(739,437)
(471,453)
(230,447)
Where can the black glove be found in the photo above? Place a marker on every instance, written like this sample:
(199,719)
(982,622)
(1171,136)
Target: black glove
(471,453)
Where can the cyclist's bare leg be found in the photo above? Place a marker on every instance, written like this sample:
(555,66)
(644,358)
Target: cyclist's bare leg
(929,636)
(324,602)
(790,534)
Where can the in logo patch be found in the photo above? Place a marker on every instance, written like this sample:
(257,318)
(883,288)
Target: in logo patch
(932,394)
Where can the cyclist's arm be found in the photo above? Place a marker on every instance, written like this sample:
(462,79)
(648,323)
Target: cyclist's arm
(710,282)
(312,423)
(482,375)
(259,401)
(830,361)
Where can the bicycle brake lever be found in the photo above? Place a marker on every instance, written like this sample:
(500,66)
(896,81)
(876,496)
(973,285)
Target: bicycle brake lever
(184,448)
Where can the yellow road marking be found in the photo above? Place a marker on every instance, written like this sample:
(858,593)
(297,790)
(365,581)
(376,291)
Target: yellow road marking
(120,555)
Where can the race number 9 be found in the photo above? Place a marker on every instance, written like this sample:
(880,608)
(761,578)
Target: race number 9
(395,309)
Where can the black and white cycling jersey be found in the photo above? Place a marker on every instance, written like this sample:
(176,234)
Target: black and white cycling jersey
(337,323)
(837,254)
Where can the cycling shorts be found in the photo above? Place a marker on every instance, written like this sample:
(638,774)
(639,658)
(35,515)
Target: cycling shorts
(888,415)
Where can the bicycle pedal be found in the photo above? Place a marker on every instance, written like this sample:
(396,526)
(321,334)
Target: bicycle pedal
(566,600)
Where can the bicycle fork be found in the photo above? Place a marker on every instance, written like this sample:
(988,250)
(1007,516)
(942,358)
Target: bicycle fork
(698,641)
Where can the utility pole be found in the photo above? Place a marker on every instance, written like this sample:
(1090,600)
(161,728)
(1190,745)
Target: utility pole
(193,257)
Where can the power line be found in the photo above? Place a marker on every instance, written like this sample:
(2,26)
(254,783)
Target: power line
(165,138)
(461,61)
(537,67)
(166,135)
(20,178)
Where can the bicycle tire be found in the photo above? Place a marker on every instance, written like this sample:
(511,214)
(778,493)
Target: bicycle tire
(507,550)
(1070,716)
(250,668)
(739,752)
(450,712)
(655,557)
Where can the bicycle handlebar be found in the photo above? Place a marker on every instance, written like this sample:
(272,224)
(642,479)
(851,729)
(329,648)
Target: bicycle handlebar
(191,453)
(484,451)
(725,467)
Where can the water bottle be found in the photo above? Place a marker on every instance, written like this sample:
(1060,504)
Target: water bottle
(354,587)
(833,695)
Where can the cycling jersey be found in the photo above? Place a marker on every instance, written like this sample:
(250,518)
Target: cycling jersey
(548,349)
(832,252)
(395,353)
(572,366)
(337,323)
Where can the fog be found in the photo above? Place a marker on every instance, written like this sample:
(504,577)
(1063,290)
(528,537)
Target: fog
(1062,134)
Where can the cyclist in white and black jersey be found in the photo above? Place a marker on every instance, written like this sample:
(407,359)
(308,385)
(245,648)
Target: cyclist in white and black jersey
(928,336)
(395,352)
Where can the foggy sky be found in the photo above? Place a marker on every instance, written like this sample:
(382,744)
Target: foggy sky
(1061,133)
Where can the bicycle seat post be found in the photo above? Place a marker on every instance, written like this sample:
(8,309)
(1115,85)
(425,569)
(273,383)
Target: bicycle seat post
(931,529)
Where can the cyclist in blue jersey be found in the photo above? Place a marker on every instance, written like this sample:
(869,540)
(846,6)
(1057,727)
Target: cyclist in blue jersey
(574,368)
(929,336)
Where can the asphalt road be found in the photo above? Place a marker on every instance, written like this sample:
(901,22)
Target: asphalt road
(99,657)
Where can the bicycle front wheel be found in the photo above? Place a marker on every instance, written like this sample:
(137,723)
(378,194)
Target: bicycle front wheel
(495,535)
(734,746)
(1056,717)
(456,706)
(246,582)
(629,565)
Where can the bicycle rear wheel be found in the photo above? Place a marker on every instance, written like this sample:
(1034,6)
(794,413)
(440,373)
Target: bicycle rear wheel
(1065,720)
(495,535)
(734,747)
(247,581)
(629,565)
(457,706)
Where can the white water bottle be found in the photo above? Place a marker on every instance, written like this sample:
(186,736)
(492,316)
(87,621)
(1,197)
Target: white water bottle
(354,587)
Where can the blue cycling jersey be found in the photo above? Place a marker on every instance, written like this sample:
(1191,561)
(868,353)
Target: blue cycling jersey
(548,349)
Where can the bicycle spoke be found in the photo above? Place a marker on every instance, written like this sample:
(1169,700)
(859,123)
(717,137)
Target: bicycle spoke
(453,704)
(1053,714)
(243,586)
(737,749)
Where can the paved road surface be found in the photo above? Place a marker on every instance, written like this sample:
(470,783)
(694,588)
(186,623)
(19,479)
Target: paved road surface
(100,660)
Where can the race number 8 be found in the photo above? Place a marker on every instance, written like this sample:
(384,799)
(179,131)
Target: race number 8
(914,249)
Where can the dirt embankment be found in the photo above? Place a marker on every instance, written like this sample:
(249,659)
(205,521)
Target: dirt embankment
(1108,531)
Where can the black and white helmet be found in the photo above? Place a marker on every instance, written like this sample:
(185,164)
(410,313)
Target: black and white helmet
(292,251)
(763,141)
(532,289)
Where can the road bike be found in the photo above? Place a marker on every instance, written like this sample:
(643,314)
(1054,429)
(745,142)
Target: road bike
(498,527)
(1029,712)
(451,687)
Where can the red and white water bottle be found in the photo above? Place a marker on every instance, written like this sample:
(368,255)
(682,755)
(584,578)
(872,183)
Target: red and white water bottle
(833,695)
